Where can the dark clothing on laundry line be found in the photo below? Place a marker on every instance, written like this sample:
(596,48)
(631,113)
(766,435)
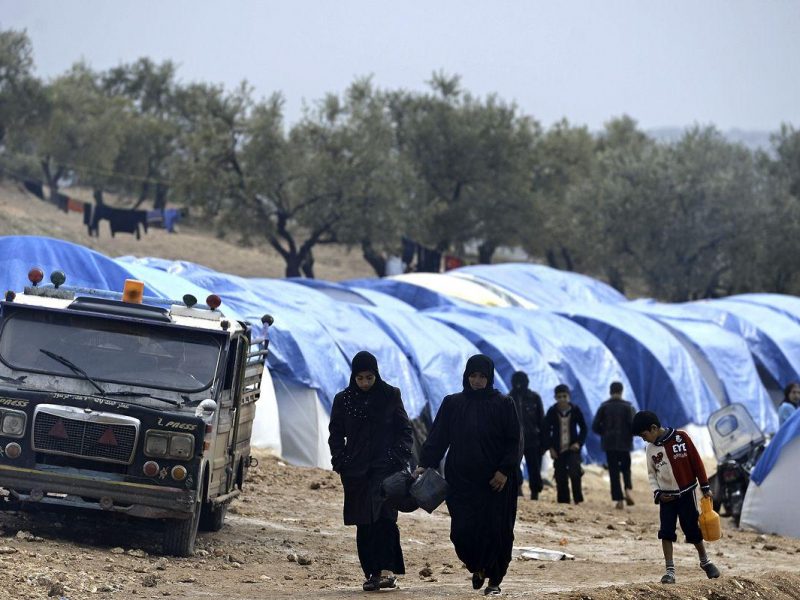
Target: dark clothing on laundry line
(99,212)
(171,217)
(62,201)
(34,187)
(127,221)
(88,209)
(409,250)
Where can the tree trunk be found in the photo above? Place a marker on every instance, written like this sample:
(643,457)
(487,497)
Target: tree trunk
(375,259)
(307,266)
(293,266)
(569,265)
(485,252)
(143,193)
(551,258)
(615,279)
(160,203)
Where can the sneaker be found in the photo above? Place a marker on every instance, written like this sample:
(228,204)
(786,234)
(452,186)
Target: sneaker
(492,590)
(373,584)
(478,579)
(712,572)
(669,577)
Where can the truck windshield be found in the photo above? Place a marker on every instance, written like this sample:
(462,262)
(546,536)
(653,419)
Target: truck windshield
(110,350)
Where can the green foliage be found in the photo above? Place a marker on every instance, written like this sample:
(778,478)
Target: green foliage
(697,218)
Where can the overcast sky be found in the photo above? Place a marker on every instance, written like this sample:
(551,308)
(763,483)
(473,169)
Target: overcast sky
(733,63)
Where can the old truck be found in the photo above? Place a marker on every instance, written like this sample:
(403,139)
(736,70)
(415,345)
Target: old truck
(118,402)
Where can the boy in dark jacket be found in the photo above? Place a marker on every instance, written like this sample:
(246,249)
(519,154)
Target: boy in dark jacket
(565,432)
(531,415)
(612,423)
(674,468)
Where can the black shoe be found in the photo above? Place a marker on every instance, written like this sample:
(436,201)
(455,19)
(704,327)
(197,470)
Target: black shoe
(492,590)
(373,584)
(388,583)
(711,570)
(478,579)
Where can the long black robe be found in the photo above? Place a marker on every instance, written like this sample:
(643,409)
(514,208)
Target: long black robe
(482,432)
(370,438)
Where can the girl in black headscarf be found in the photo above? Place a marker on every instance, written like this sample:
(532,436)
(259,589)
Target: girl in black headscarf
(481,429)
(370,438)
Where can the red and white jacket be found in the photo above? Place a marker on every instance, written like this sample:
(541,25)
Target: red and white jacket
(674,466)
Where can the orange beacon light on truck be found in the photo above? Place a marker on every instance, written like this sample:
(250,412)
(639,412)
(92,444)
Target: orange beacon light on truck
(133,291)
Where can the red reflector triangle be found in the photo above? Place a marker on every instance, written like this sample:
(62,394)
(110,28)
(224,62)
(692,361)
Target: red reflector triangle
(58,430)
(108,438)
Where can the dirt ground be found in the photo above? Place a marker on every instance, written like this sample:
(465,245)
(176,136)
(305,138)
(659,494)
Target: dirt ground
(291,512)
(22,213)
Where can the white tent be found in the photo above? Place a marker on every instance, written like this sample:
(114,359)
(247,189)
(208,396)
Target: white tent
(770,504)
(303,424)
(266,427)
(457,287)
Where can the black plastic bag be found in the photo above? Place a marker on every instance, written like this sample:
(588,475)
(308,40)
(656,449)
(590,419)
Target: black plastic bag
(430,490)
(395,489)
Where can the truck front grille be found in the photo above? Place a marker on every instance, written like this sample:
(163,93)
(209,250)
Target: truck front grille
(73,434)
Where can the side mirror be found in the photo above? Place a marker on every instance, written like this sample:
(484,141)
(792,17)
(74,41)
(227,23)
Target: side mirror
(206,409)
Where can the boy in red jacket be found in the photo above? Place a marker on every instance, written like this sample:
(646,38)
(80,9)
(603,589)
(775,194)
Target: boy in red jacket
(674,468)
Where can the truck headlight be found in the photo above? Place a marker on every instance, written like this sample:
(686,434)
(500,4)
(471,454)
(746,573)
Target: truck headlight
(181,445)
(13,423)
(156,443)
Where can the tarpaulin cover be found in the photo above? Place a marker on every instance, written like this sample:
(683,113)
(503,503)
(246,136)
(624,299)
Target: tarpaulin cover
(508,352)
(727,354)
(459,288)
(788,432)
(414,295)
(773,338)
(82,266)
(354,295)
(578,358)
(544,285)
(438,353)
(788,305)
(663,375)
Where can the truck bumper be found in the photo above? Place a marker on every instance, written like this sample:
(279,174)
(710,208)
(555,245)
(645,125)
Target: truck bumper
(80,491)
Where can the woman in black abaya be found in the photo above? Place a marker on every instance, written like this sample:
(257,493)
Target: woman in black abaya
(370,438)
(480,428)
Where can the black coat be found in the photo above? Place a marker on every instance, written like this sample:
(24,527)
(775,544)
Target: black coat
(552,427)
(531,415)
(613,424)
(370,438)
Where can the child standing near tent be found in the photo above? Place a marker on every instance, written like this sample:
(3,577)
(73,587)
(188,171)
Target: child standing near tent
(674,469)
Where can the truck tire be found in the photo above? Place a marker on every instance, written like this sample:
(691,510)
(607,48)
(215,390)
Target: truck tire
(212,517)
(180,534)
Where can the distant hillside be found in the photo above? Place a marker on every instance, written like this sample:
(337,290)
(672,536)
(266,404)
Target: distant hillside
(23,214)
(754,140)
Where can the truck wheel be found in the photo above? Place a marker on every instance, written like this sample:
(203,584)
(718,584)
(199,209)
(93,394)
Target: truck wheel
(212,516)
(180,534)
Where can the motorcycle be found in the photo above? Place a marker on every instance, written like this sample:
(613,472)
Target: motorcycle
(738,444)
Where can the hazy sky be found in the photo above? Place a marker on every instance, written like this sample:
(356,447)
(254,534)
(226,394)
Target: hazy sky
(733,63)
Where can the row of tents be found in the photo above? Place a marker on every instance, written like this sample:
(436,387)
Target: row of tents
(682,361)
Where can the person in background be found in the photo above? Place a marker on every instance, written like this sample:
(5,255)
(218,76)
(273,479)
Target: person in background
(674,468)
(791,402)
(531,415)
(370,438)
(479,429)
(612,423)
(565,432)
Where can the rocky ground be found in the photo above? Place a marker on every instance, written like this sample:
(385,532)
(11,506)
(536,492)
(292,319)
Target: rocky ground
(284,539)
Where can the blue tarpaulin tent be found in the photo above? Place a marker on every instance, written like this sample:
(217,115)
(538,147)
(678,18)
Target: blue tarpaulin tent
(788,305)
(722,356)
(543,285)
(662,373)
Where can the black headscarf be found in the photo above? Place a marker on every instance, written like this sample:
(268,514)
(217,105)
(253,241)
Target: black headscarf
(519,380)
(365,361)
(479,363)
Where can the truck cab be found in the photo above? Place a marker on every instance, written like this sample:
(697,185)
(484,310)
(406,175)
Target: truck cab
(117,402)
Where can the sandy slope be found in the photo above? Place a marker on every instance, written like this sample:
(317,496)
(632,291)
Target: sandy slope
(289,510)
(23,214)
